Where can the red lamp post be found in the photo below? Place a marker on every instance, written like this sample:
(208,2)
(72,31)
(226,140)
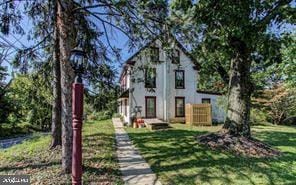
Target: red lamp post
(77,62)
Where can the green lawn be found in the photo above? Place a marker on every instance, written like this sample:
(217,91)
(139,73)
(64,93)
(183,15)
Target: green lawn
(176,158)
(34,158)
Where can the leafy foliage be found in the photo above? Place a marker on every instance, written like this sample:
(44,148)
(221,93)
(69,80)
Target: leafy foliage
(10,18)
(5,106)
(277,104)
(101,99)
(282,105)
(234,38)
(32,99)
(210,25)
(103,115)
(288,65)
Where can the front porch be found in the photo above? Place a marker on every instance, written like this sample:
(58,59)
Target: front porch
(155,124)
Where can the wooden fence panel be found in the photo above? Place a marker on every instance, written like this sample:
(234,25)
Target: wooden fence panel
(198,114)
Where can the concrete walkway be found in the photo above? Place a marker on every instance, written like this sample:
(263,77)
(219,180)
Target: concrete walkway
(134,169)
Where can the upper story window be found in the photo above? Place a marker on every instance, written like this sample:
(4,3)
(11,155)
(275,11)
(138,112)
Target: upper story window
(150,78)
(206,100)
(123,82)
(176,57)
(154,54)
(179,79)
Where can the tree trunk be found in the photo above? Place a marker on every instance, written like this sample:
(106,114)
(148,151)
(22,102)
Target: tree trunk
(239,98)
(56,125)
(66,41)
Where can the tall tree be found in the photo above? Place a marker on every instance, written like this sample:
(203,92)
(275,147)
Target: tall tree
(56,126)
(41,14)
(94,21)
(66,42)
(235,34)
(43,18)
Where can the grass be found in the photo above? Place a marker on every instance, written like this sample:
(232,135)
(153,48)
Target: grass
(33,157)
(177,158)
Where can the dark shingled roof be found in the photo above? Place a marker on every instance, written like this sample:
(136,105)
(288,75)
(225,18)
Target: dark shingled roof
(124,94)
(209,92)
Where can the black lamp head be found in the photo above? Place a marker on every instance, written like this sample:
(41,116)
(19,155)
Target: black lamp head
(78,60)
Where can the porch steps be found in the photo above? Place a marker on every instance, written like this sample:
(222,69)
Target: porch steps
(156,124)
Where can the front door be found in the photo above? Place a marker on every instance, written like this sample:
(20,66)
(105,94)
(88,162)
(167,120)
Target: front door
(150,106)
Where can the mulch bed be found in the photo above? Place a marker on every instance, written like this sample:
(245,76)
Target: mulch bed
(239,145)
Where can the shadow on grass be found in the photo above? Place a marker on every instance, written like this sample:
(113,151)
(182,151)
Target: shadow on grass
(278,138)
(31,166)
(101,170)
(99,156)
(44,166)
(176,156)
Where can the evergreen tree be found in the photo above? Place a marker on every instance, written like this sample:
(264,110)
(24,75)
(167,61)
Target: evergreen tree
(138,20)
(5,106)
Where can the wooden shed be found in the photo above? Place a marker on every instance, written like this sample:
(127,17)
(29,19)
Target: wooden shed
(198,114)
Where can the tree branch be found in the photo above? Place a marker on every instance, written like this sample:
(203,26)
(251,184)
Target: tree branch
(8,1)
(94,14)
(107,14)
(39,43)
(222,72)
(111,24)
(272,13)
(107,37)
(91,6)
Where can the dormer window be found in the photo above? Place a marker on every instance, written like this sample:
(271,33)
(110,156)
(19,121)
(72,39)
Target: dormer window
(176,56)
(150,78)
(179,79)
(154,54)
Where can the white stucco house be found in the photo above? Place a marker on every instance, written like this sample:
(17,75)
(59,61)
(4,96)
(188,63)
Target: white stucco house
(157,83)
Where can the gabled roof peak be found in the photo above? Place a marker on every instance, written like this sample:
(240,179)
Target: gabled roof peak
(130,60)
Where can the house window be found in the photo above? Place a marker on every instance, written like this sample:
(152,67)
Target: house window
(123,82)
(179,79)
(121,107)
(176,57)
(180,106)
(125,107)
(150,78)
(154,54)
(150,106)
(206,100)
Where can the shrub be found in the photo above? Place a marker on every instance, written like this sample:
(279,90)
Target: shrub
(275,105)
(116,115)
(103,115)
(290,121)
(258,116)
(283,106)
(32,100)
(91,116)
(216,122)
